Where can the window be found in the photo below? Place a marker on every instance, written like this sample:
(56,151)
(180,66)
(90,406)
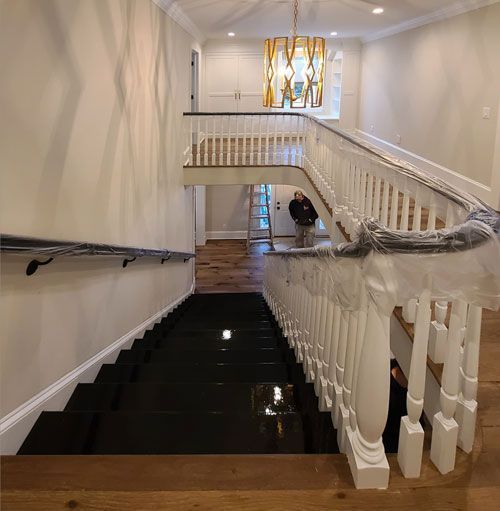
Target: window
(264,222)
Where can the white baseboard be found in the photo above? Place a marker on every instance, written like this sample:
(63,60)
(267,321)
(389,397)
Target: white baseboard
(464,183)
(226,235)
(15,426)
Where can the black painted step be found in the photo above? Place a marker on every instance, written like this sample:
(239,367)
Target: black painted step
(211,397)
(222,356)
(220,373)
(164,433)
(205,343)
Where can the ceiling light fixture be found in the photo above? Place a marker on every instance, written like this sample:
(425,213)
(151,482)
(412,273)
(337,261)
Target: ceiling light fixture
(231,34)
(293,69)
(378,10)
(334,33)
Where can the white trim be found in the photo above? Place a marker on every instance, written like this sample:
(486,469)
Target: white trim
(174,10)
(450,11)
(226,235)
(15,426)
(464,183)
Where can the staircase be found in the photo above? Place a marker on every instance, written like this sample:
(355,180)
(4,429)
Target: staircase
(215,376)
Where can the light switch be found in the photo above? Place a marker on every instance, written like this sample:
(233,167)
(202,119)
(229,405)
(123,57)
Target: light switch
(398,139)
(486,112)
(372,128)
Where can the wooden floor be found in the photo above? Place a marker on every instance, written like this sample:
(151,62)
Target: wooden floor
(287,482)
(223,266)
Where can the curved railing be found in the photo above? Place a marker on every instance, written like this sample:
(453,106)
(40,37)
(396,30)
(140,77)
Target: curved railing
(49,248)
(417,242)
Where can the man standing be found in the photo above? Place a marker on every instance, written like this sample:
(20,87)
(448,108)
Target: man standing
(304,216)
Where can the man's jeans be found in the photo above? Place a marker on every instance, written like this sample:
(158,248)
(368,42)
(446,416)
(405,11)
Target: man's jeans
(304,231)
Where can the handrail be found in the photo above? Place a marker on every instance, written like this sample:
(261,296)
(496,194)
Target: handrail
(25,245)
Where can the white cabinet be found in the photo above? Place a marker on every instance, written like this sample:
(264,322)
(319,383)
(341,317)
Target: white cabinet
(233,83)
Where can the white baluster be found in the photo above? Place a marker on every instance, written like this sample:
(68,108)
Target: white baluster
(251,140)
(339,367)
(417,215)
(438,333)
(236,141)
(467,405)
(206,139)
(376,202)
(268,129)
(365,450)
(198,143)
(385,203)
(221,142)
(214,120)
(369,197)
(405,213)
(347,381)
(444,426)
(332,364)
(191,140)
(411,434)
(393,223)
(229,140)
(275,140)
(244,155)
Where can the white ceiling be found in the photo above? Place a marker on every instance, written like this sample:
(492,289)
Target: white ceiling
(269,18)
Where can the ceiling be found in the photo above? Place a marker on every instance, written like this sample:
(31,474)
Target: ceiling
(264,18)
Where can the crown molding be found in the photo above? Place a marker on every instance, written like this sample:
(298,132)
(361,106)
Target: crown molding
(455,9)
(173,9)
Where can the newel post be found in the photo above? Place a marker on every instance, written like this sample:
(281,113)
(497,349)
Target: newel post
(365,450)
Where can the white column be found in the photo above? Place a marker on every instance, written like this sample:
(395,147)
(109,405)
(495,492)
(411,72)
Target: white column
(467,405)
(444,426)
(411,434)
(365,450)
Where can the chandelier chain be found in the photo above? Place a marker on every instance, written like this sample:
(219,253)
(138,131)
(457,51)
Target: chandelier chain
(295,16)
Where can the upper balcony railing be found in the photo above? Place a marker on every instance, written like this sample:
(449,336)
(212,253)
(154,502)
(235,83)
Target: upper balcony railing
(416,242)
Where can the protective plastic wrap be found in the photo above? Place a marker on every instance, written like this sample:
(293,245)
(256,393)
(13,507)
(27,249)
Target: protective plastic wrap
(460,263)
(52,248)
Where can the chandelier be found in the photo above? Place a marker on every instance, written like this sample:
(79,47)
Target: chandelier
(293,69)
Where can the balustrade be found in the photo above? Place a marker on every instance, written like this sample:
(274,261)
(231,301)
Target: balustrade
(417,243)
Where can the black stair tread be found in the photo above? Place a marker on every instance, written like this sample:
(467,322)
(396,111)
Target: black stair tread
(164,433)
(215,324)
(225,334)
(235,397)
(159,373)
(195,344)
(159,356)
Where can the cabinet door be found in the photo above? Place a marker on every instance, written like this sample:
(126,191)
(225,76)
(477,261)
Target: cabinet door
(250,72)
(221,78)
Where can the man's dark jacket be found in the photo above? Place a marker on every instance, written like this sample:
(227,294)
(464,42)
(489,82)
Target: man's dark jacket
(303,213)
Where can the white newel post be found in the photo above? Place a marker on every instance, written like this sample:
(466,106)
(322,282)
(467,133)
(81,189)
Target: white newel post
(438,333)
(467,405)
(444,426)
(411,433)
(365,450)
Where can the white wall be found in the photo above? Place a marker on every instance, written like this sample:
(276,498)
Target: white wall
(430,85)
(90,149)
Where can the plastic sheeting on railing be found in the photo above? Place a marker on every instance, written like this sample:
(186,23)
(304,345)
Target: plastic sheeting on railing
(52,248)
(461,263)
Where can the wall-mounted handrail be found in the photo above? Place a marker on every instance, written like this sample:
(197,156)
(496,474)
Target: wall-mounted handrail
(50,248)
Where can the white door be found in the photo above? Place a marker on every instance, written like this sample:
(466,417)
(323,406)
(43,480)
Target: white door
(250,83)
(221,79)
(283,223)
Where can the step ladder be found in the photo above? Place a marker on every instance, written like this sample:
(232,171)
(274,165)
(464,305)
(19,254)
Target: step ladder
(259,209)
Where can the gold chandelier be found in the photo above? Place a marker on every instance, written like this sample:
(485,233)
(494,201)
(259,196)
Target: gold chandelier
(293,69)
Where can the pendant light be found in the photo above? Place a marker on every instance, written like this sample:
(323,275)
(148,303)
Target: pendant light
(293,69)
